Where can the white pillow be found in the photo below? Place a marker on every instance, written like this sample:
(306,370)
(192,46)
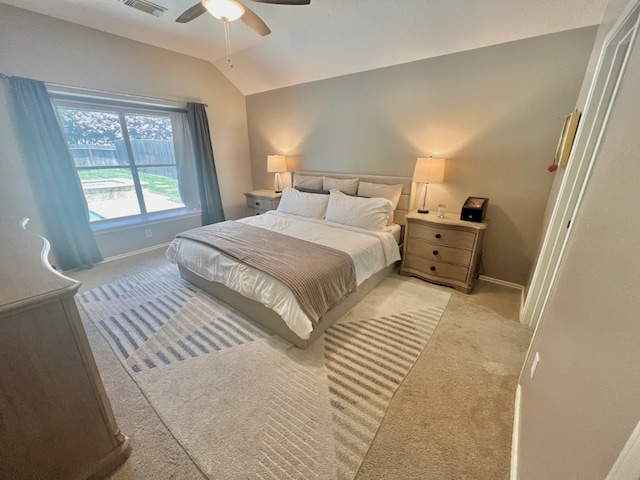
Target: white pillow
(307,181)
(348,185)
(367,213)
(371,190)
(391,192)
(312,205)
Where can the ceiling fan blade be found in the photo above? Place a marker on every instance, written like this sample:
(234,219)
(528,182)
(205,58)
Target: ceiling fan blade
(285,2)
(192,13)
(254,22)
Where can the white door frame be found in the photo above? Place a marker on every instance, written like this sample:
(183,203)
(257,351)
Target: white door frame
(627,465)
(602,93)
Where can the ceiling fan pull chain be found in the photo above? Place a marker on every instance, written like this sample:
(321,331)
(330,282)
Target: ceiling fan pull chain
(228,42)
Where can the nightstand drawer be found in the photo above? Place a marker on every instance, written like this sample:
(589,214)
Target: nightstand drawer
(441,253)
(260,203)
(435,269)
(253,211)
(443,236)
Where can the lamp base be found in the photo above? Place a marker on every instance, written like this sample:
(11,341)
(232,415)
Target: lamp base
(277,183)
(423,211)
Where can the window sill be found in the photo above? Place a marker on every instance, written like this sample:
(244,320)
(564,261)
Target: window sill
(104,226)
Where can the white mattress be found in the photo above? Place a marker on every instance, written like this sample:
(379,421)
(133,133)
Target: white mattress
(370,251)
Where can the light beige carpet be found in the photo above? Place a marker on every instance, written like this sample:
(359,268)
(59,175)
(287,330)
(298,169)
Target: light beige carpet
(246,404)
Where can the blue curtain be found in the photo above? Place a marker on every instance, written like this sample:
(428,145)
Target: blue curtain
(210,201)
(52,174)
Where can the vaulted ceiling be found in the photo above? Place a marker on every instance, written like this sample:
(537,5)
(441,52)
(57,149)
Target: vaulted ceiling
(327,38)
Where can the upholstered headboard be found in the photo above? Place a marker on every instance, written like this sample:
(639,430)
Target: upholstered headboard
(404,204)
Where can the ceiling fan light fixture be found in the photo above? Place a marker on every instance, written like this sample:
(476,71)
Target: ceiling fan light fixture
(224,9)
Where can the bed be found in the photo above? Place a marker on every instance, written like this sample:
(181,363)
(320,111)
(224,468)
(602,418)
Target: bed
(324,209)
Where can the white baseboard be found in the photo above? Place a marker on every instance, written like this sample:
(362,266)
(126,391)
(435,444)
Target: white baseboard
(135,252)
(504,283)
(516,436)
(501,282)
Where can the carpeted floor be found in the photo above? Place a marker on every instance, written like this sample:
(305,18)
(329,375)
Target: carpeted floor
(451,417)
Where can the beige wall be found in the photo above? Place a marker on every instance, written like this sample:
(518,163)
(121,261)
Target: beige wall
(582,404)
(43,48)
(493,113)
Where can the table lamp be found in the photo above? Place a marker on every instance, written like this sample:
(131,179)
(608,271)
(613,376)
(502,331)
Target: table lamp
(428,170)
(277,164)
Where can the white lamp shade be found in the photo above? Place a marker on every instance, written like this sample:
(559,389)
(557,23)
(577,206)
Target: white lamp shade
(276,163)
(429,170)
(221,9)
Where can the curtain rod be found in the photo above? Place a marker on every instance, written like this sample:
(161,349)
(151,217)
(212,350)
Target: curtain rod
(128,96)
(91,91)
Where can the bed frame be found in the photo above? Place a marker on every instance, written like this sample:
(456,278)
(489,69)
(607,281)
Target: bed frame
(273,322)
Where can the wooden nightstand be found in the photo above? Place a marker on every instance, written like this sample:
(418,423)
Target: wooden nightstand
(260,201)
(442,250)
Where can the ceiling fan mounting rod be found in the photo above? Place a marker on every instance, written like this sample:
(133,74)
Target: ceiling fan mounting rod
(227,39)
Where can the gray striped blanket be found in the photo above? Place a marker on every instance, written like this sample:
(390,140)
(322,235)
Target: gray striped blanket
(319,277)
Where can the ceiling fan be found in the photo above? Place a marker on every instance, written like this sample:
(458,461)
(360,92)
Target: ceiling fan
(230,10)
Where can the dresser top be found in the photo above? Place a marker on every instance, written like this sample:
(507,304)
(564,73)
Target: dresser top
(449,219)
(26,276)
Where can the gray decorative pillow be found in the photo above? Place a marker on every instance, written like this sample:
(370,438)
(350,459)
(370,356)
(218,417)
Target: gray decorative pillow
(347,185)
(307,181)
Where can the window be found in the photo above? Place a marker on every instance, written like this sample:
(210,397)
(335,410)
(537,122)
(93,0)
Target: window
(125,158)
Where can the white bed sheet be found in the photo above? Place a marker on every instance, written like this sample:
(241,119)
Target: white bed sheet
(395,230)
(370,251)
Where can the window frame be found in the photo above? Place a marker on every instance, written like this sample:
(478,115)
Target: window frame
(122,109)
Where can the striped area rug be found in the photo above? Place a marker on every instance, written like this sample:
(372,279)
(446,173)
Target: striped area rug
(246,404)
(158,318)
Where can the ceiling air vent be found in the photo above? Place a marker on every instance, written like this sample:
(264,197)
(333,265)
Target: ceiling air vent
(146,7)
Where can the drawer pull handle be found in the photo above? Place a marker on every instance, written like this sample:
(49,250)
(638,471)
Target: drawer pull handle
(433,269)
(435,252)
(438,235)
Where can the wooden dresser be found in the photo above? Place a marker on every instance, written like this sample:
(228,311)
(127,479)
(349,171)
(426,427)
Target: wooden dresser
(442,250)
(56,421)
(261,201)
